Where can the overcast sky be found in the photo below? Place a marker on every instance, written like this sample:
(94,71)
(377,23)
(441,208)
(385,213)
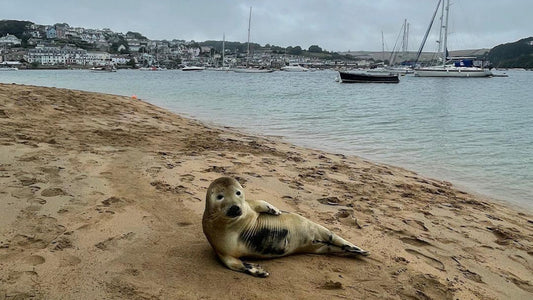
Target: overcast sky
(334,25)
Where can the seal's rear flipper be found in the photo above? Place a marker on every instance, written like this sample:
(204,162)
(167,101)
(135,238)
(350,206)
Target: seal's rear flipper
(355,250)
(329,242)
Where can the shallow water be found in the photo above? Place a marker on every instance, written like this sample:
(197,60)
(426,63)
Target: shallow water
(474,132)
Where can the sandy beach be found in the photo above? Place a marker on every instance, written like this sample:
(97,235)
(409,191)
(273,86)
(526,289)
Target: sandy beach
(101,197)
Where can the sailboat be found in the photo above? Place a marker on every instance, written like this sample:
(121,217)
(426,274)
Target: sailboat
(392,68)
(248,69)
(453,66)
(223,68)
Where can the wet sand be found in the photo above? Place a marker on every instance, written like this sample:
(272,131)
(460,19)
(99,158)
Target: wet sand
(101,197)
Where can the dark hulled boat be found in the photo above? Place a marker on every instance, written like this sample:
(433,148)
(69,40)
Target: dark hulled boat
(360,77)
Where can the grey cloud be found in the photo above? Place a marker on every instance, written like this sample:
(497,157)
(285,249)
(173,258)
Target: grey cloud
(334,25)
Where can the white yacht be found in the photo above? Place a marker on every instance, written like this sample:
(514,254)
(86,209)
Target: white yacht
(451,66)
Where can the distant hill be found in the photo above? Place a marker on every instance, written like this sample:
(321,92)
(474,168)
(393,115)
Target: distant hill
(14,27)
(411,55)
(513,55)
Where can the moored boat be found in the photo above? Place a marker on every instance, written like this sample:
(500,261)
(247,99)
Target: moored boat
(294,68)
(452,71)
(252,70)
(462,67)
(364,77)
(103,69)
(193,68)
(9,65)
(152,68)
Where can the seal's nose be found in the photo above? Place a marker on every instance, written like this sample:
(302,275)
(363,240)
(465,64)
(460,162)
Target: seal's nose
(234,211)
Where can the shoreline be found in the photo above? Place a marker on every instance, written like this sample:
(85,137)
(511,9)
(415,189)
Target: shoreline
(102,197)
(514,204)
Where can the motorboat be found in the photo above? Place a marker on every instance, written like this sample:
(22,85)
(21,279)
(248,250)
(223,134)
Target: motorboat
(152,68)
(294,68)
(103,69)
(193,68)
(252,70)
(365,77)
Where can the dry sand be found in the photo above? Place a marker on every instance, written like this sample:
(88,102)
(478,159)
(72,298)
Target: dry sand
(101,197)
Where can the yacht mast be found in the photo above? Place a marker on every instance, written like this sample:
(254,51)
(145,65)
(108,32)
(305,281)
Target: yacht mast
(445,44)
(427,33)
(382,48)
(249,24)
(223,50)
(404,42)
(440,29)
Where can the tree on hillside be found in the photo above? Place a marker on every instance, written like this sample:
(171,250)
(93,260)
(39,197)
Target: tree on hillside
(513,55)
(14,27)
(135,35)
(294,50)
(315,49)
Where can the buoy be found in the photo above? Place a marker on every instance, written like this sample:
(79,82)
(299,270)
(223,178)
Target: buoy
(134,97)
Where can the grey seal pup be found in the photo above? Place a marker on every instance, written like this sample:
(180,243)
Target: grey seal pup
(236,227)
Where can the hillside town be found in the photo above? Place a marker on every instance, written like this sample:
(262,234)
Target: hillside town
(25,45)
(63,46)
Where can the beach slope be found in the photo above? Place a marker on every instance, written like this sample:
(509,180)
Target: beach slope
(101,197)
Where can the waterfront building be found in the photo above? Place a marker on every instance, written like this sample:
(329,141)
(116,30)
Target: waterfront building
(120,59)
(67,55)
(10,40)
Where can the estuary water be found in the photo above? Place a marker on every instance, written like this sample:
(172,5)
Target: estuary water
(476,133)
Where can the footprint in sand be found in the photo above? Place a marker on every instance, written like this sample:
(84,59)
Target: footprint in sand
(52,170)
(187,177)
(68,260)
(27,180)
(37,201)
(52,192)
(416,224)
(113,241)
(437,264)
(34,260)
(523,261)
(415,241)
(62,243)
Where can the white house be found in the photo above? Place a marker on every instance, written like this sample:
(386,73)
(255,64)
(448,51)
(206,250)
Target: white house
(97,58)
(121,48)
(9,40)
(119,59)
(66,56)
(45,55)
(134,44)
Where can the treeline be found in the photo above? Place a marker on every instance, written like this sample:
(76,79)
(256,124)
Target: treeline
(13,27)
(312,51)
(16,28)
(513,55)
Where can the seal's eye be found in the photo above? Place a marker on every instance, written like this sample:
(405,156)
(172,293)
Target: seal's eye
(220,197)
(238,193)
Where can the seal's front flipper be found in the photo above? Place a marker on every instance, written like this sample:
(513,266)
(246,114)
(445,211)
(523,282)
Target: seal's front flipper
(236,264)
(255,270)
(261,206)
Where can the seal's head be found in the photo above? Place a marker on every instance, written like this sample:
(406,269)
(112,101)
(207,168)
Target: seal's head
(225,197)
